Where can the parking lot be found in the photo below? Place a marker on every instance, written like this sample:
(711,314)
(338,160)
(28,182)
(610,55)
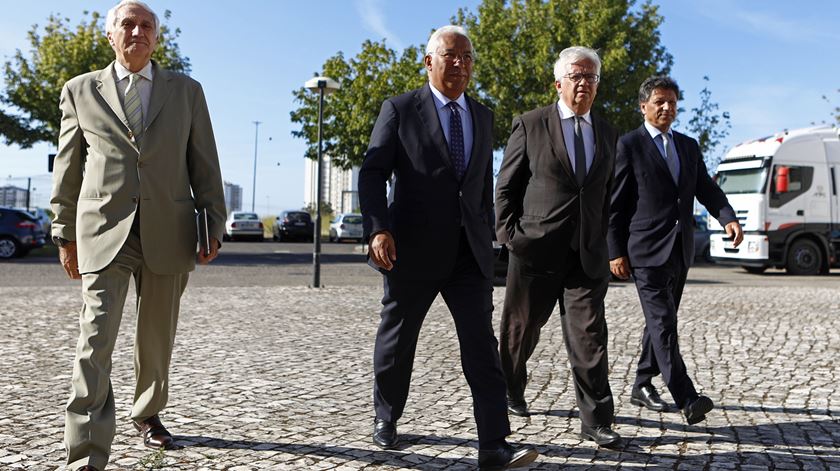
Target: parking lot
(270,374)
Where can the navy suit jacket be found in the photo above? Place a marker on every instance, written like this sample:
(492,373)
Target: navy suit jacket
(430,204)
(648,211)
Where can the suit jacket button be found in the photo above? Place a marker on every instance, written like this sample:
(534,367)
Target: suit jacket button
(460,193)
(139,164)
(130,135)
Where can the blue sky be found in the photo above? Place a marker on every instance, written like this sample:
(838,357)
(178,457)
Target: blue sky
(769,63)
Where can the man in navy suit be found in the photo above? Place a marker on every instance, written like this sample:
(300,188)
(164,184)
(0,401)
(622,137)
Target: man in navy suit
(435,237)
(658,174)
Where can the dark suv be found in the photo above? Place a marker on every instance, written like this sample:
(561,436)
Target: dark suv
(292,225)
(19,233)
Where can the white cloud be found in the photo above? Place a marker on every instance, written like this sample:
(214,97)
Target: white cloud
(373,17)
(769,24)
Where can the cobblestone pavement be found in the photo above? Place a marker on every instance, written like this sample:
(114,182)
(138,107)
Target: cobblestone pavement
(280,378)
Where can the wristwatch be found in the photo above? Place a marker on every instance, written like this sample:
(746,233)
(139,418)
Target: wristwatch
(60,241)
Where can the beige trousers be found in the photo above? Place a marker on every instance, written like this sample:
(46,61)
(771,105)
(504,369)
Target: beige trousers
(90,422)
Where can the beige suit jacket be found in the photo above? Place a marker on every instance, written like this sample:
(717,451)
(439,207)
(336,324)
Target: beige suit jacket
(101,175)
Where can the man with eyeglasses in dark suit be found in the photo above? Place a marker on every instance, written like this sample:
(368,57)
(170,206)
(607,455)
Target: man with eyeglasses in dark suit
(552,205)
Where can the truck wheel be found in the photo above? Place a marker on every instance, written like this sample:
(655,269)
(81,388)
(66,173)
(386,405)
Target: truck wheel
(755,270)
(804,258)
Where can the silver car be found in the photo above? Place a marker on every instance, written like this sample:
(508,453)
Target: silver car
(346,226)
(243,225)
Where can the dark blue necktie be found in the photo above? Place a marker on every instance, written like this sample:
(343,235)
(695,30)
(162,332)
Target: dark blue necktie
(456,140)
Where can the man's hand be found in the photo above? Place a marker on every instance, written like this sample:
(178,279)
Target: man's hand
(620,267)
(214,252)
(734,231)
(69,260)
(382,250)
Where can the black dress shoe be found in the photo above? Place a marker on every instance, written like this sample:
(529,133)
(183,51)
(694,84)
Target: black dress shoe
(385,434)
(646,396)
(506,457)
(697,409)
(155,434)
(518,407)
(87,467)
(601,435)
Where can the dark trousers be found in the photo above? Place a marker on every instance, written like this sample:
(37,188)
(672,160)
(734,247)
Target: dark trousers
(529,300)
(469,296)
(660,289)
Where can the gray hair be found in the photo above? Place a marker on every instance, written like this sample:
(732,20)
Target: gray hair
(657,81)
(111,17)
(434,39)
(573,55)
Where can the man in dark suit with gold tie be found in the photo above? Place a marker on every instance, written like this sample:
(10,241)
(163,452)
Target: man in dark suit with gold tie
(435,237)
(552,202)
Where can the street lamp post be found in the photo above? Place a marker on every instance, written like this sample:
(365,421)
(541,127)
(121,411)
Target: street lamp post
(322,85)
(254,183)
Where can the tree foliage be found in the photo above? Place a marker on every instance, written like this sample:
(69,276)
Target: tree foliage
(709,126)
(518,41)
(835,110)
(372,76)
(58,53)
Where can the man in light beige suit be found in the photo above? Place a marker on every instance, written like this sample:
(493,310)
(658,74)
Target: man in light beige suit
(136,159)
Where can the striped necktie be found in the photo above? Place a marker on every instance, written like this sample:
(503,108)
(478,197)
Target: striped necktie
(133,107)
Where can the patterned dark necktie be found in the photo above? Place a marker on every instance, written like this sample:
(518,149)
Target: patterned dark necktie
(456,140)
(580,153)
(671,157)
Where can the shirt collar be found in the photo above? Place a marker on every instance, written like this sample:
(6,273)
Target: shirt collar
(566,112)
(654,132)
(442,100)
(146,72)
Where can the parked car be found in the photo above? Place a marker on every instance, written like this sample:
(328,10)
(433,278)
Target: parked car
(346,226)
(291,225)
(43,217)
(243,225)
(702,248)
(19,233)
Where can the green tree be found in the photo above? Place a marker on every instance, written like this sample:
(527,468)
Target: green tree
(709,126)
(33,84)
(374,74)
(518,41)
(835,110)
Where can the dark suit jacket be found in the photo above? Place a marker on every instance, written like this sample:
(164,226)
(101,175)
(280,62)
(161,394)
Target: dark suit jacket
(648,210)
(539,205)
(430,205)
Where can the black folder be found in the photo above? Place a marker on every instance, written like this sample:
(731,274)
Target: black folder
(203,232)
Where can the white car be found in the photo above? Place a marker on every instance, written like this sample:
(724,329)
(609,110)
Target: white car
(243,225)
(346,226)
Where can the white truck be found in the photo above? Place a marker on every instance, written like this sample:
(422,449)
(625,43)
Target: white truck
(784,189)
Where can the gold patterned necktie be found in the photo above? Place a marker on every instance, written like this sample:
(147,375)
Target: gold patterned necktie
(133,107)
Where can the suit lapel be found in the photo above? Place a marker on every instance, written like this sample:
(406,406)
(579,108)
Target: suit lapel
(600,157)
(478,129)
(107,86)
(424,101)
(160,92)
(686,164)
(551,119)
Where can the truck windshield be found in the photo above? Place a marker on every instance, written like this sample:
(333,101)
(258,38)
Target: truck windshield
(747,180)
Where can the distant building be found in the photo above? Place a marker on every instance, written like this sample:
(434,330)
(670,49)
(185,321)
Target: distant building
(233,197)
(12,196)
(340,187)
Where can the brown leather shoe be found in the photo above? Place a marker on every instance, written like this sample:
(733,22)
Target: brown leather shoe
(87,467)
(155,434)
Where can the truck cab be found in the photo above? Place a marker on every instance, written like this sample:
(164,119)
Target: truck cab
(784,189)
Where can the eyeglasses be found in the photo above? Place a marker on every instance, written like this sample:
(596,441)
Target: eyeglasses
(590,78)
(451,57)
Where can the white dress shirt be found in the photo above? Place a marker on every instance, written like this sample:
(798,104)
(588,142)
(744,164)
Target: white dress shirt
(144,85)
(654,134)
(567,121)
(441,102)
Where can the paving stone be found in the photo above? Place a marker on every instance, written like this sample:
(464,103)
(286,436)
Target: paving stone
(279,378)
